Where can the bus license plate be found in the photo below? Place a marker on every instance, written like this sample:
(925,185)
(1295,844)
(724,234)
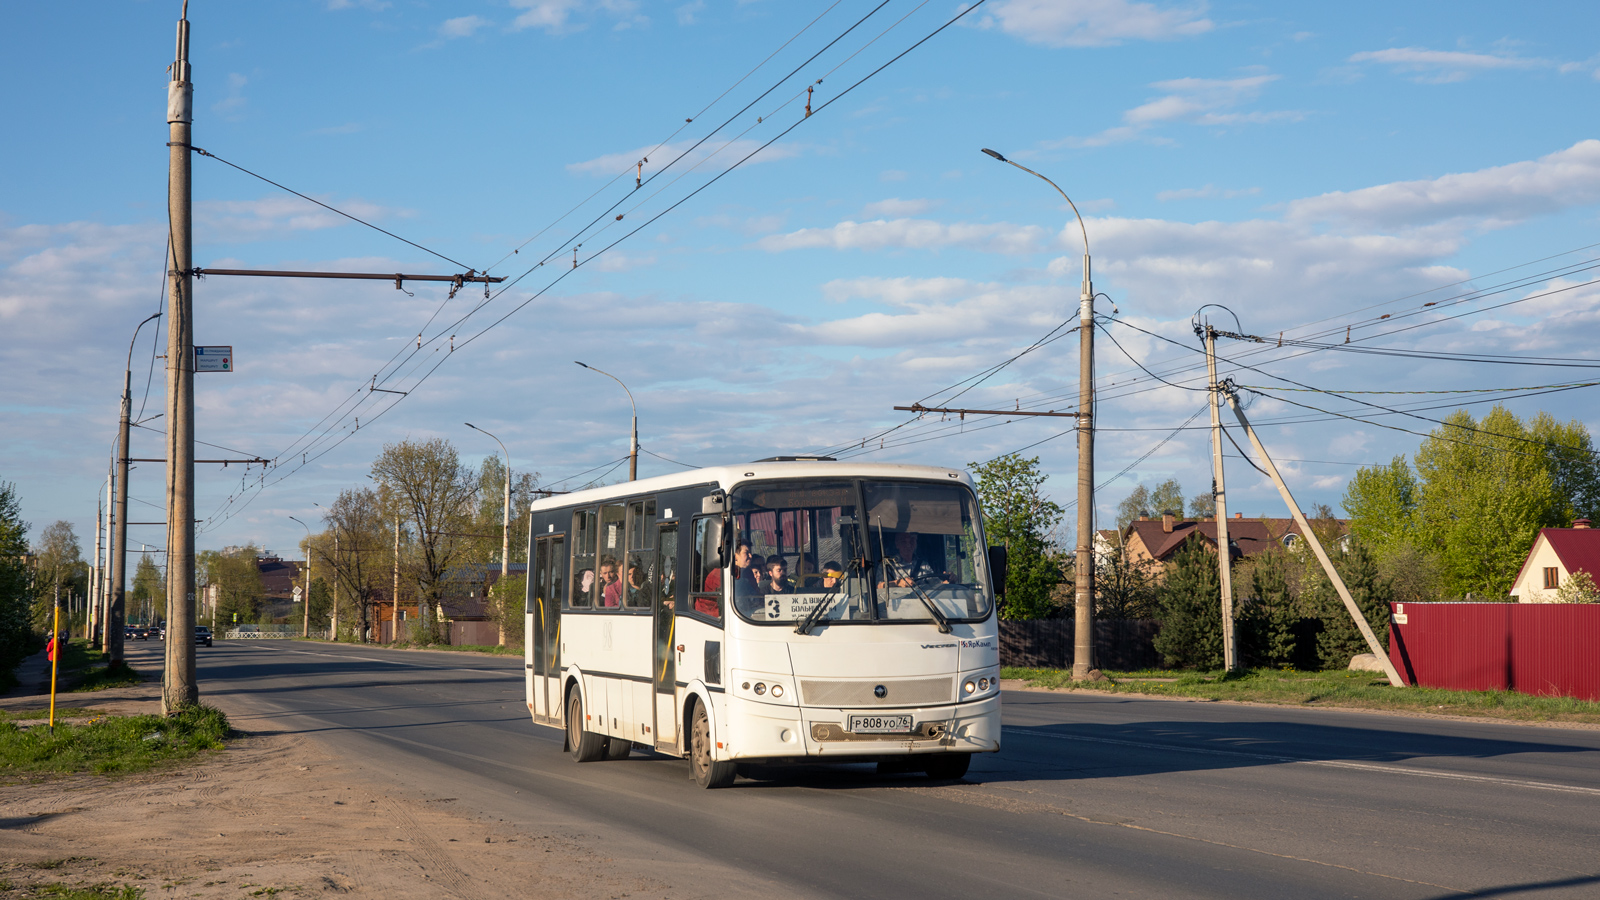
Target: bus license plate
(880,724)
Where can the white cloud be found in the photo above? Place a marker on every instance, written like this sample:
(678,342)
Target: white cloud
(228,221)
(232,105)
(560,16)
(1196,101)
(719,154)
(619,262)
(687,12)
(1497,195)
(911,234)
(1438,66)
(1206,192)
(903,291)
(462,26)
(1095,23)
(894,206)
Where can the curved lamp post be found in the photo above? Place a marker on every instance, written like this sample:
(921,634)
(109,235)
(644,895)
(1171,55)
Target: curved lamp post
(505,522)
(305,630)
(633,447)
(1083,647)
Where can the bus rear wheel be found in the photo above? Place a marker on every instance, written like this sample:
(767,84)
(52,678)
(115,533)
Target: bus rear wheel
(948,766)
(707,772)
(586,746)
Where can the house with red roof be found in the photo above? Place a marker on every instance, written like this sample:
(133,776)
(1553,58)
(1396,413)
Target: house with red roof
(1556,554)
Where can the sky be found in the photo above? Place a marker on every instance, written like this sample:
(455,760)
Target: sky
(780,281)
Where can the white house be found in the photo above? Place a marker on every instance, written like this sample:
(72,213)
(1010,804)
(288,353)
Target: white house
(1556,554)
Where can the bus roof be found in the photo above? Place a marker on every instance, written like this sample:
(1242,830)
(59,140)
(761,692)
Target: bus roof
(726,477)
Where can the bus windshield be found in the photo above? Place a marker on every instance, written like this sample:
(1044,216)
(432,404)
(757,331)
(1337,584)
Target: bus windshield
(865,551)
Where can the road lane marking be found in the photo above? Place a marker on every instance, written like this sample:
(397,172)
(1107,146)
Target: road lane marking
(1326,763)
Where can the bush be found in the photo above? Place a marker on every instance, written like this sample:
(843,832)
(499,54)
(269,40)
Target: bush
(1340,638)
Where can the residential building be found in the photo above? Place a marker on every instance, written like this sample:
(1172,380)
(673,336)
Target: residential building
(1556,554)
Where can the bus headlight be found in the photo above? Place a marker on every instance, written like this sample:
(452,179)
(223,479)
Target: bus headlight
(983,684)
(761,688)
(777,690)
(970,686)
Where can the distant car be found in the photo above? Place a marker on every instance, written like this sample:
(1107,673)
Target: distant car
(202,635)
(139,632)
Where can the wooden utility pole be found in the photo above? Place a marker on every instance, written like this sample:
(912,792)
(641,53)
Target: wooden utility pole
(1316,547)
(1230,633)
(179,689)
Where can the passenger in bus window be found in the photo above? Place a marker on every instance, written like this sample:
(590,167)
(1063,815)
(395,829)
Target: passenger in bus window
(584,584)
(638,585)
(610,583)
(741,567)
(778,576)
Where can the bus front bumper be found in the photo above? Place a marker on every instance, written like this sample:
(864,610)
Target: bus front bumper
(768,731)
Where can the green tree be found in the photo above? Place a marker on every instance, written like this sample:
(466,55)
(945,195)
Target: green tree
(361,560)
(1167,497)
(1018,516)
(236,579)
(149,595)
(1382,504)
(17,637)
(1190,600)
(1203,506)
(59,572)
(1578,588)
(427,482)
(1486,492)
(1267,616)
(1340,639)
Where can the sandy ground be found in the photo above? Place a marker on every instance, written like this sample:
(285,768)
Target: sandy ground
(276,814)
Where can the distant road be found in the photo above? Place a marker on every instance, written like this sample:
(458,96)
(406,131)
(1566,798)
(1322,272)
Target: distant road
(1094,796)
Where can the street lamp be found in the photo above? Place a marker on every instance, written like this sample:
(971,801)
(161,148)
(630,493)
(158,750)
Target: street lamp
(116,609)
(305,630)
(633,448)
(1083,645)
(505,523)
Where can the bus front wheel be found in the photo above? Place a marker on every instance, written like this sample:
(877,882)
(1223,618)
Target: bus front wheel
(948,766)
(708,773)
(586,745)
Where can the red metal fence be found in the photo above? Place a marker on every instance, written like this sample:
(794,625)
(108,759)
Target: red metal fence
(1546,649)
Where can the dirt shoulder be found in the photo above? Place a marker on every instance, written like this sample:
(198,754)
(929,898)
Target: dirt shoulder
(275,813)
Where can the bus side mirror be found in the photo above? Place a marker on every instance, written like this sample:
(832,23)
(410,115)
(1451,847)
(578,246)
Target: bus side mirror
(998,569)
(713,554)
(713,503)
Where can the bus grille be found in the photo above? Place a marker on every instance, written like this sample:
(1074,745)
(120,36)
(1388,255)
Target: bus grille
(902,692)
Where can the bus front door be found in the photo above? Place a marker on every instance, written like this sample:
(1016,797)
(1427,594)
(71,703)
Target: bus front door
(664,672)
(548,580)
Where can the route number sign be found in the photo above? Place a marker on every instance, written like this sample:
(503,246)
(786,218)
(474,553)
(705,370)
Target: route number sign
(213,359)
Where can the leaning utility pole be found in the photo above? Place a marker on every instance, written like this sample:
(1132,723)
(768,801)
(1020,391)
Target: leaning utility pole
(179,689)
(1230,633)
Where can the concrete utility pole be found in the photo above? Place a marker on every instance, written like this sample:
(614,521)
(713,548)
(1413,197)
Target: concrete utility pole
(1230,632)
(179,690)
(305,629)
(92,618)
(633,444)
(394,596)
(1083,628)
(505,511)
(333,627)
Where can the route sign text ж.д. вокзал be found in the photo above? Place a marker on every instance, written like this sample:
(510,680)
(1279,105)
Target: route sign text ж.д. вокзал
(213,359)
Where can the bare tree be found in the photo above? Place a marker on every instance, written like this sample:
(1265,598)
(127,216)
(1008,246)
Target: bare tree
(360,563)
(427,482)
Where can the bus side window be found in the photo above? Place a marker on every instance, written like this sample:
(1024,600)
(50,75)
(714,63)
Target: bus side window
(584,537)
(637,574)
(705,581)
(608,586)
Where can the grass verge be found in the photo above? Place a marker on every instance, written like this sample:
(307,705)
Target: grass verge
(110,745)
(103,891)
(1358,690)
(83,668)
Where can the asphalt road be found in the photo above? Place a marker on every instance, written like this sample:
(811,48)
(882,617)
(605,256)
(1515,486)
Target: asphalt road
(1094,795)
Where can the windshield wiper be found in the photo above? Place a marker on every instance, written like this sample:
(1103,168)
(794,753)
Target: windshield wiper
(941,618)
(806,624)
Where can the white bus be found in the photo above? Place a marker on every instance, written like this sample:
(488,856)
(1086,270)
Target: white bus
(782,611)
